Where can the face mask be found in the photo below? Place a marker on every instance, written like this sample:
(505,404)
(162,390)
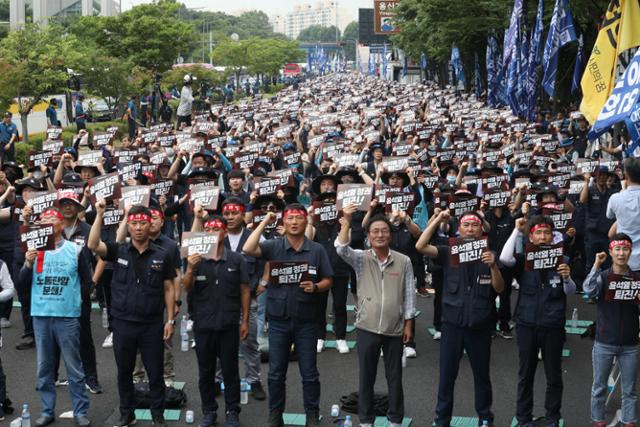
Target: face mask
(451,179)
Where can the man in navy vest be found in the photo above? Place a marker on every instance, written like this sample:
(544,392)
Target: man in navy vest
(141,289)
(221,293)
(616,330)
(540,318)
(59,280)
(467,315)
(292,309)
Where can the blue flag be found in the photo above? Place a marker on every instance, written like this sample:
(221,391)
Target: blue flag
(512,77)
(458,69)
(561,32)
(308,59)
(491,64)
(478,80)
(384,62)
(534,61)
(511,35)
(372,70)
(579,67)
(424,62)
(633,126)
(523,77)
(623,98)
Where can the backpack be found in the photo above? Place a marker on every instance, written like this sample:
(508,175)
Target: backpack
(173,398)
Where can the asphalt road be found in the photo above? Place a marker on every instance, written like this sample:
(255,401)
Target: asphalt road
(338,374)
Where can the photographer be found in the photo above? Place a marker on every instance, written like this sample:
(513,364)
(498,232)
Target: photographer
(186,101)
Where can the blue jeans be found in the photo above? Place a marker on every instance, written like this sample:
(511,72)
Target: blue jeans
(603,355)
(283,333)
(65,333)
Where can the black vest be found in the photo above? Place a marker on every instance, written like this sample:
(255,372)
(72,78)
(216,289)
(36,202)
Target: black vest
(541,300)
(617,322)
(138,299)
(216,293)
(466,297)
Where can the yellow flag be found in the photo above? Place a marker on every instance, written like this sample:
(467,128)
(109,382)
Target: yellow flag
(620,32)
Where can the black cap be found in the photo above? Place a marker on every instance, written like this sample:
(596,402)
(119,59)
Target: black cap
(210,172)
(16,167)
(72,179)
(31,183)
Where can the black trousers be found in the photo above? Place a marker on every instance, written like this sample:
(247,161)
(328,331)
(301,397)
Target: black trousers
(211,345)
(503,313)
(369,345)
(6,306)
(24,296)
(339,292)
(477,343)
(550,341)
(87,348)
(128,339)
(103,292)
(437,277)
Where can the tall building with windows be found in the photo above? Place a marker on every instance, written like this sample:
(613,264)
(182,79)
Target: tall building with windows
(322,12)
(45,9)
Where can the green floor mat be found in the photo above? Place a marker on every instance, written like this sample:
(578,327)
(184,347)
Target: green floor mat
(351,307)
(574,331)
(16,304)
(581,323)
(382,422)
(178,385)
(350,328)
(169,414)
(295,419)
(463,422)
(95,306)
(514,423)
(432,331)
(566,352)
(332,344)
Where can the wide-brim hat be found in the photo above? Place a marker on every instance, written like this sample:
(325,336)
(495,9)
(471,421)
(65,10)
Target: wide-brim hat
(265,198)
(349,172)
(16,167)
(315,184)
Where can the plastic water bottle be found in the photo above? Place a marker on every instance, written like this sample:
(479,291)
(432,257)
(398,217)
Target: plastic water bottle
(25,418)
(347,421)
(244,392)
(184,335)
(105,318)
(485,423)
(188,418)
(574,318)
(335,410)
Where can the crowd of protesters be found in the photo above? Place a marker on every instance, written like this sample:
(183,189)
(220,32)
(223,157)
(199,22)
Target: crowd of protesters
(245,217)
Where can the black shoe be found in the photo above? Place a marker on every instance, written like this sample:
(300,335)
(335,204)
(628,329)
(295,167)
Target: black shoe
(275,419)
(93,385)
(257,392)
(313,419)
(26,343)
(232,419)
(158,421)
(209,419)
(82,421)
(126,420)
(505,333)
(44,420)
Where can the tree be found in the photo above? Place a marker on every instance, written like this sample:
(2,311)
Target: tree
(36,61)
(232,54)
(109,78)
(269,55)
(319,33)
(175,77)
(350,37)
(148,35)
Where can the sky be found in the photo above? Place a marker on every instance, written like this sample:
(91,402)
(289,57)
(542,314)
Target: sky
(270,7)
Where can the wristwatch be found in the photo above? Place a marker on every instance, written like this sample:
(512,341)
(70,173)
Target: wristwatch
(171,322)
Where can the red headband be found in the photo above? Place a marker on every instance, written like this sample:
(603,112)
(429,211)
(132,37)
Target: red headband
(51,212)
(233,207)
(139,217)
(538,227)
(215,223)
(295,212)
(623,243)
(156,212)
(469,217)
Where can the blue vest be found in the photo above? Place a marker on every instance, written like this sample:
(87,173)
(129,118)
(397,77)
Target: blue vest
(466,296)
(541,302)
(56,290)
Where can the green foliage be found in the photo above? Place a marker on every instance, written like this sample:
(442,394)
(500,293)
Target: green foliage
(35,60)
(319,33)
(175,77)
(349,37)
(269,55)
